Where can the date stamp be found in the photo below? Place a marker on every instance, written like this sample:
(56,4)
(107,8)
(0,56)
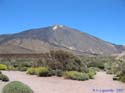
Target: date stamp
(118,90)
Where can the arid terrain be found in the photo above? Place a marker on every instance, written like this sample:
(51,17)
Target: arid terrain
(59,85)
(2,85)
(56,37)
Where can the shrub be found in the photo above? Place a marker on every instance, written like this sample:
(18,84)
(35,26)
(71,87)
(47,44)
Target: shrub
(97,64)
(92,72)
(96,69)
(17,87)
(4,78)
(57,72)
(42,71)
(76,75)
(115,78)
(0,72)
(3,67)
(91,75)
(11,68)
(109,72)
(31,71)
(108,66)
(122,78)
(22,68)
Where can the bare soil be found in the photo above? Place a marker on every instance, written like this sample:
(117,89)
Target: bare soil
(101,82)
(2,85)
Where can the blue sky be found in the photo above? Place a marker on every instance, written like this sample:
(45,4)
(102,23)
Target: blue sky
(102,18)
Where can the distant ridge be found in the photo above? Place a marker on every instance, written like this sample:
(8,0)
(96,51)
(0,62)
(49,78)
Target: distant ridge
(56,37)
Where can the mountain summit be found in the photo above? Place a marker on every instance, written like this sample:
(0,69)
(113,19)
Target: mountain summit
(56,37)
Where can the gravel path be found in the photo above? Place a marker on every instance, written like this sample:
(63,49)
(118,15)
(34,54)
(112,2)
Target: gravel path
(102,83)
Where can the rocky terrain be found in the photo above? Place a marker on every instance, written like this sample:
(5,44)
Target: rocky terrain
(54,37)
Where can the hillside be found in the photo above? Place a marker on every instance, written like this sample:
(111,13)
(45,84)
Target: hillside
(42,40)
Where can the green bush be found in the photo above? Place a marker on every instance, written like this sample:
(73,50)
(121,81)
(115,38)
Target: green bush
(91,75)
(57,72)
(4,78)
(22,68)
(74,75)
(31,71)
(115,78)
(17,87)
(109,72)
(11,68)
(92,72)
(96,64)
(108,66)
(3,67)
(122,78)
(42,71)
(96,69)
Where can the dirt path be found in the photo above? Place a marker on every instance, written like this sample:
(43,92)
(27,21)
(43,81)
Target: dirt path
(102,82)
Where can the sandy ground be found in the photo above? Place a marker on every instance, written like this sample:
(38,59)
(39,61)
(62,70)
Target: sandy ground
(2,85)
(102,83)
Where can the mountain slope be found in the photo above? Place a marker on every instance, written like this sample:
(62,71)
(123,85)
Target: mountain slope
(57,37)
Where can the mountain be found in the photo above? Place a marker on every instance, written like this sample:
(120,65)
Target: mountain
(121,55)
(42,40)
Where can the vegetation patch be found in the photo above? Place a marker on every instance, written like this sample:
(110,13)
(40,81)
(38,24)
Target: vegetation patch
(31,71)
(3,67)
(74,75)
(58,62)
(122,78)
(4,78)
(92,72)
(40,71)
(17,87)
